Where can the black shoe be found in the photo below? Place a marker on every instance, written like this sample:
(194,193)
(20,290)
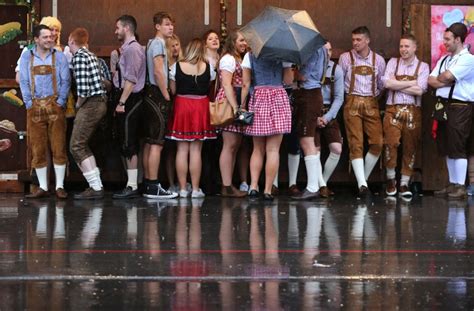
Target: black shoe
(126,193)
(155,191)
(268,197)
(253,194)
(363,192)
(89,194)
(306,195)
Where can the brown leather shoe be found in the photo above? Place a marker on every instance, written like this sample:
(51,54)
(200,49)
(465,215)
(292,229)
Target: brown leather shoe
(459,192)
(232,192)
(89,194)
(324,192)
(445,191)
(405,191)
(293,190)
(38,194)
(391,188)
(306,195)
(363,192)
(61,194)
(275,190)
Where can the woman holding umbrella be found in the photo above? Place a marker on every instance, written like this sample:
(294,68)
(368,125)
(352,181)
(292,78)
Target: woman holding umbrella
(269,101)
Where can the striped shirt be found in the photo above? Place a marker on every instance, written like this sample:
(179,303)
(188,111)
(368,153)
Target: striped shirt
(87,73)
(363,84)
(409,70)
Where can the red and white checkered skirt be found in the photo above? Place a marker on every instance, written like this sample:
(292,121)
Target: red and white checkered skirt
(234,128)
(272,112)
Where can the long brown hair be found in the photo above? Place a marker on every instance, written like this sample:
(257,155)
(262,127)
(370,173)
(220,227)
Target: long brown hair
(229,45)
(194,52)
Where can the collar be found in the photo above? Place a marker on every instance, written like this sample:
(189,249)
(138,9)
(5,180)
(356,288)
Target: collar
(128,42)
(356,55)
(414,61)
(35,52)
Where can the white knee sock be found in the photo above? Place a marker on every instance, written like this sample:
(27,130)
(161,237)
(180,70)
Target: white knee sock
(451,170)
(42,174)
(275,181)
(330,165)
(391,173)
(370,161)
(132,178)
(460,166)
(321,181)
(312,172)
(404,180)
(60,171)
(358,167)
(97,172)
(92,179)
(293,165)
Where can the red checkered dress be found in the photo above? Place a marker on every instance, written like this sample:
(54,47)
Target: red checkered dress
(272,112)
(236,83)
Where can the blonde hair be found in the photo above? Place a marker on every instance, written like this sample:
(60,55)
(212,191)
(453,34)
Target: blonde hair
(194,52)
(169,44)
(53,22)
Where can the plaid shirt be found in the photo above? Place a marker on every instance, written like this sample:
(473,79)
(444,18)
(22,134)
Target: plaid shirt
(87,73)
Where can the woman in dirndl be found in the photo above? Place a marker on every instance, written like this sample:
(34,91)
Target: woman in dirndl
(190,124)
(269,101)
(230,75)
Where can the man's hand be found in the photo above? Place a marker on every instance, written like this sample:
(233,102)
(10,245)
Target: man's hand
(120,109)
(321,122)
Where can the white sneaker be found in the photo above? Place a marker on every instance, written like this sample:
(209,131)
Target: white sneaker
(244,187)
(197,194)
(183,193)
(174,188)
(189,188)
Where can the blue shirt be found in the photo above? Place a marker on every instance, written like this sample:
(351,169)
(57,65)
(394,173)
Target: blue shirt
(44,83)
(313,70)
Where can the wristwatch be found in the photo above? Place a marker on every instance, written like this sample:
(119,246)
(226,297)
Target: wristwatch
(121,103)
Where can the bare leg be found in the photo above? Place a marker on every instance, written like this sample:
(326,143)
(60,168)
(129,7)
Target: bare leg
(195,163)
(273,160)
(228,156)
(182,155)
(256,160)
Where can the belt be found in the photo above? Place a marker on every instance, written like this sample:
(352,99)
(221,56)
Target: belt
(453,101)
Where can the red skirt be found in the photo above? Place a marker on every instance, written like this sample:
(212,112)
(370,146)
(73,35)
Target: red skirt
(190,120)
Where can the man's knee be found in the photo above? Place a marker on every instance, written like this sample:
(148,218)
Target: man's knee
(376,149)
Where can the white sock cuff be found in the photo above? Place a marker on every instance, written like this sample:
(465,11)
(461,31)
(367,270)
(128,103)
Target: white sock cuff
(334,156)
(391,174)
(311,157)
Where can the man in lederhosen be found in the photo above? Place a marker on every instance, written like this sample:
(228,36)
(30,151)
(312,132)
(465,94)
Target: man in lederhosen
(333,98)
(44,84)
(363,70)
(407,79)
(453,79)
(130,82)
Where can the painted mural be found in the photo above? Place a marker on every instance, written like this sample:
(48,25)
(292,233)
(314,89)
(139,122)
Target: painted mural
(443,16)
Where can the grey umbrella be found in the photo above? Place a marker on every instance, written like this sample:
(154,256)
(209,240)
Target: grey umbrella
(280,34)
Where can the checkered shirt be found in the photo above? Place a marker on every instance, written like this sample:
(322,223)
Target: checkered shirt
(87,73)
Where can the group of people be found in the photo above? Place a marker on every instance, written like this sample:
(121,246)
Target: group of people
(161,97)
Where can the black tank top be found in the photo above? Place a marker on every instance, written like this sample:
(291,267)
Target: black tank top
(192,85)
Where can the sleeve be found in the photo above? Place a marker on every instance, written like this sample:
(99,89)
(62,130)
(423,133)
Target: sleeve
(157,48)
(338,94)
(79,67)
(64,79)
(389,70)
(213,72)
(17,68)
(436,69)
(423,77)
(114,58)
(287,65)
(105,71)
(227,63)
(25,83)
(463,67)
(246,61)
(173,72)
(344,63)
(381,71)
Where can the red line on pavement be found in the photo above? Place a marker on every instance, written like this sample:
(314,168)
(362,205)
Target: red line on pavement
(236,251)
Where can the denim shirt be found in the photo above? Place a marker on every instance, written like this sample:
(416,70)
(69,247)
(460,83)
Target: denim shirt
(313,69)
(266,72)
(44,84)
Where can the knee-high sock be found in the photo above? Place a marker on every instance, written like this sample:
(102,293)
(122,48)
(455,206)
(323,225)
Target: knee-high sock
(97,172)
(312,172)
(293,165)
(391,174)
(60,172)
(330,165)
(370,161)
(404,180)
(42,174)
(132,178)
(460,166)
(451,170)
(358,167)
(93,180)
(321,181)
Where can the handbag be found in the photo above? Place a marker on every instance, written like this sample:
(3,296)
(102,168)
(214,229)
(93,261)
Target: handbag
(440,111)
(221,112)
(243,117)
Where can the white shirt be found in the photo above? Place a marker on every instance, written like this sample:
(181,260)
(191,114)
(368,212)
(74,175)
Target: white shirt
(461,66)
(227,63)
(246,62)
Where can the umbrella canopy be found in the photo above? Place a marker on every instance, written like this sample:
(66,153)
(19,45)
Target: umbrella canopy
(280,34)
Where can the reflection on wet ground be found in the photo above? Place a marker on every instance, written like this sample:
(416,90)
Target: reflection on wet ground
(221,253)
